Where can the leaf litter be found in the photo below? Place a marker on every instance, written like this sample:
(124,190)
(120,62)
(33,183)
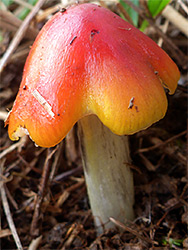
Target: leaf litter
(45,188)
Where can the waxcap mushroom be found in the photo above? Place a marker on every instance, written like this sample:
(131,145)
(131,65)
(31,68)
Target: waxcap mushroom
(87,60)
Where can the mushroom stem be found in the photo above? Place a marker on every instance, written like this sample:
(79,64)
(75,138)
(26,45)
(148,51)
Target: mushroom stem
(107,172)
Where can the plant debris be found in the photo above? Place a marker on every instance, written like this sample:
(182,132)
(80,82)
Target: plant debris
(43,194)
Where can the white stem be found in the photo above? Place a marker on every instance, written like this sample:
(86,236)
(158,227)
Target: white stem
(107,172)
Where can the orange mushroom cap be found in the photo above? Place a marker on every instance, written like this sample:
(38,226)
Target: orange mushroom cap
(87,60)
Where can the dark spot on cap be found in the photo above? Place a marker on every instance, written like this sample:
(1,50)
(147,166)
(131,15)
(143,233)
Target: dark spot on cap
(71,42)
(24,87)
(93,32)
(62,10)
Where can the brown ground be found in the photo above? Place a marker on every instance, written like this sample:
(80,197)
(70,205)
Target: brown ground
(63,219)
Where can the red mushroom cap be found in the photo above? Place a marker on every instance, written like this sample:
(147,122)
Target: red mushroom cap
(87,60)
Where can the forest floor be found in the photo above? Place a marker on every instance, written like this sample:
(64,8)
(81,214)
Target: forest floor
(54,213)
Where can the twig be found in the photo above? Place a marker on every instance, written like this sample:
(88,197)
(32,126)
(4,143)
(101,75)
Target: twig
(13,147)
(66,174)
(24,4)
(19,55)
(3,115)
(11,199)
(47,12)
(164,29)
(34,231)
(162,218)
(184,7)
(5,233)
(142,150)
(130,230)
(9,216)
(56,160)
(147,163)
(34,245)
(11,23)
(20,34)
(75,186)
(125,14)
(177,19)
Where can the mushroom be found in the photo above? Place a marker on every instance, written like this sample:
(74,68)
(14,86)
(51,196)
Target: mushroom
(88,65)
